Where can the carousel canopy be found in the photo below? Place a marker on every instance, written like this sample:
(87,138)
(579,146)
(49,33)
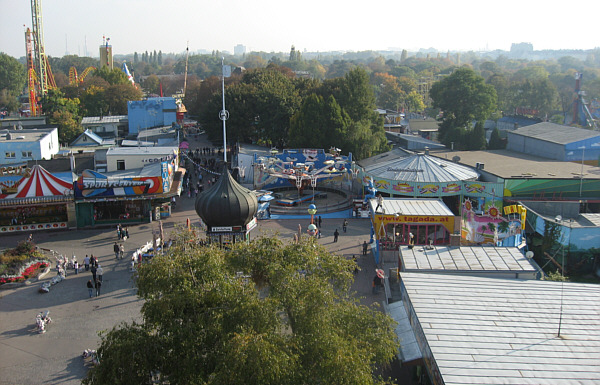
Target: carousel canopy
(421,168)
(40,183)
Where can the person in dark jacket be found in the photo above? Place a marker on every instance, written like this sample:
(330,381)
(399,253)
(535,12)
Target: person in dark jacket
(90,287)
(98,287)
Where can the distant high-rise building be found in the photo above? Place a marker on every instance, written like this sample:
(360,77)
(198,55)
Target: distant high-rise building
(239,50)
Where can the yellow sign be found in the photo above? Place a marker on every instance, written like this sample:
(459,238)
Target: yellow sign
(445,220)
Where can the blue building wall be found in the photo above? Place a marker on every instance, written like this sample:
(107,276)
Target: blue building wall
(152,112)
(587,149)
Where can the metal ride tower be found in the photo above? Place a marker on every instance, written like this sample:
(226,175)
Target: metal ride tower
(38,41)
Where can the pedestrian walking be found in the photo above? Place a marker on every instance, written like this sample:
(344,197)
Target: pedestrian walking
(365,247)
(76,266)
(336,234)
(93,270)
(377,283)
(355,264)
(86,262)
(98,287)
(94,261)
(116,249)
(119,231)
(126,233)
(121,251)
(99,272)
(320,221)
(345,225)
(90,287)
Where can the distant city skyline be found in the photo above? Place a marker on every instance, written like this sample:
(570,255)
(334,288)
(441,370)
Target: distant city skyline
(315,26)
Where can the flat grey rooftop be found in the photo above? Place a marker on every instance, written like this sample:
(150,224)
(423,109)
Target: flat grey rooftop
(465,259)
(412,206)
(505,331)
(555,133)
(514,165)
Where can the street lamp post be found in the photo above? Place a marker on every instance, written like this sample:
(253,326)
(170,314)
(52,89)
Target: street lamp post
(312,228)
(581,175)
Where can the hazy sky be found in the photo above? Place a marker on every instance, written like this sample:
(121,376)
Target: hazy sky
(311,25)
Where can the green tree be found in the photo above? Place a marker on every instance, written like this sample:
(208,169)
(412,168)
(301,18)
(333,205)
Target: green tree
(463,97)
(318,124)
(63,112)
(114,76)
(151,84)
(263,313)
(69,127)
(13,79)
(538,95)
(116,97)
(496,143)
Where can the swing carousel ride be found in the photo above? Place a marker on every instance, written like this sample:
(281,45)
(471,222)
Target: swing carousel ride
(302,169)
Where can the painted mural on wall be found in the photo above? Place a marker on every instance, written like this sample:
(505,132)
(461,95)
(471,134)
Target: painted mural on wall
(551,188)
(483,221)
(282,170)
(94,184)
(425,189)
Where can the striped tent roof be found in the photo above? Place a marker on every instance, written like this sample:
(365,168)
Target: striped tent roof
(40,183)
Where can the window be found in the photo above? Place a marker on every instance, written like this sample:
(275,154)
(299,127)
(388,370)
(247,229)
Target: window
(120,165)
(26,154)
(9,155)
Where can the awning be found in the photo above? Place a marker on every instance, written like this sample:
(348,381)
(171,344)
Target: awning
(409,348)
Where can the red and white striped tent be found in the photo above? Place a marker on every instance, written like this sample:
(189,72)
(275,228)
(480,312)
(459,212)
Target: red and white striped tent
(40,183)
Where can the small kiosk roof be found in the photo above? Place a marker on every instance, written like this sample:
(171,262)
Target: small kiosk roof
(412,206)
(466,260)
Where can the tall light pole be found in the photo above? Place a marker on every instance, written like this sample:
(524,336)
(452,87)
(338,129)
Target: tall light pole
(581,175)
(224,114)
(312,228)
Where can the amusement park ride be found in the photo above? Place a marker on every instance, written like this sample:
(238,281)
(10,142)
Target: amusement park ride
(39,73)
(304,174)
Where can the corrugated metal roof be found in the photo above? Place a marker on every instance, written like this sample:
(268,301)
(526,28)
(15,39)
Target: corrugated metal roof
(409,349)
(555,133)
(505,331)
(412,206)
(421,168)
(466,259)
(103,119)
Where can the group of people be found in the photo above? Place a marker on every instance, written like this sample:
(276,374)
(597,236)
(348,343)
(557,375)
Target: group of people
(122,232)
(119,250)
(91,264)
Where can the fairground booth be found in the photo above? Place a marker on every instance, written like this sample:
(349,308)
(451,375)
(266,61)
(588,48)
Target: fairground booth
(229,211)
(405,221)
(34,199)
(134,195)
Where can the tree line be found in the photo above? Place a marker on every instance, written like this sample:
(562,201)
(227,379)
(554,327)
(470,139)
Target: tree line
(543,89)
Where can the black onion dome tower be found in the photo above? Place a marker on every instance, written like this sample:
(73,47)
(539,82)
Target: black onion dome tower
(226,203)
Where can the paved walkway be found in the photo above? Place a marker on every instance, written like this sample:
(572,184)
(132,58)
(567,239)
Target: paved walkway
(55,357)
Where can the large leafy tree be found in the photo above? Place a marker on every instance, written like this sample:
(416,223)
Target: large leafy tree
(464,97)
(63,112)
(318,124)
(12,81)
(263,313)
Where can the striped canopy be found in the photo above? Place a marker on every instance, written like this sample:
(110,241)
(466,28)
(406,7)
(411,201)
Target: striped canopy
(41,183)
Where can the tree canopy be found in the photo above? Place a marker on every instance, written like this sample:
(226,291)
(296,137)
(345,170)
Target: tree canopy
(262,313)
(464,98)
